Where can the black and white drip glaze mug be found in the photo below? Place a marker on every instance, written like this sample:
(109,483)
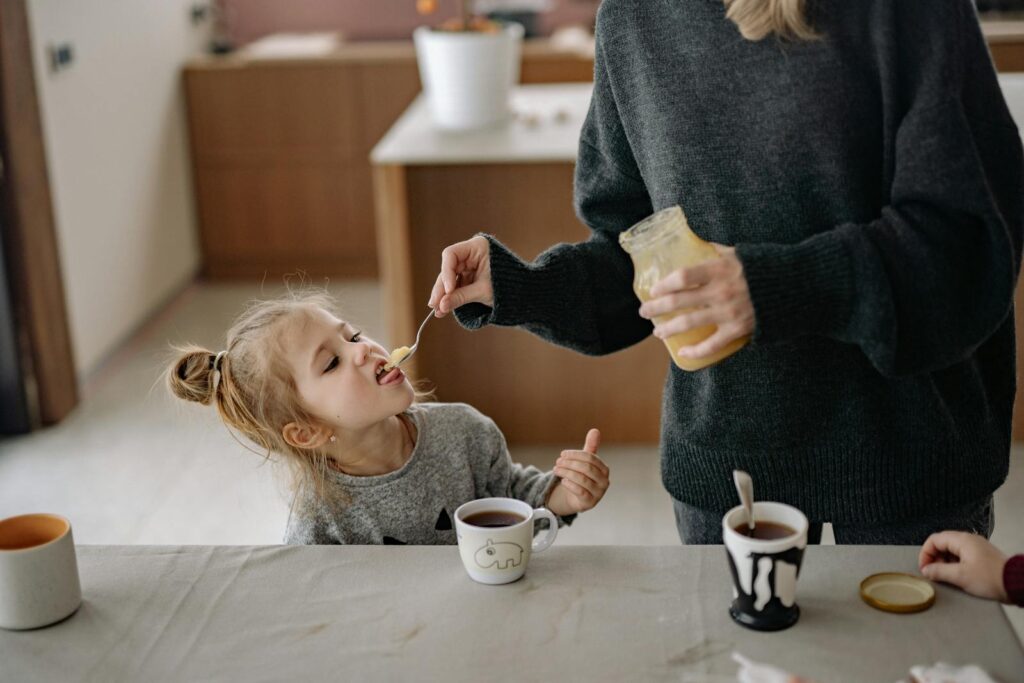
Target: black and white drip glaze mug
(764,572)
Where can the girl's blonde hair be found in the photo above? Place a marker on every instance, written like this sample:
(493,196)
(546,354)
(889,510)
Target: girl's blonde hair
(759,19)
(255,392)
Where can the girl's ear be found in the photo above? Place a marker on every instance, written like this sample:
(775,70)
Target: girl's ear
(305,437)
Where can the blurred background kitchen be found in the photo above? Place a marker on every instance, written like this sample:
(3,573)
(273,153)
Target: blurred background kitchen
(163,163)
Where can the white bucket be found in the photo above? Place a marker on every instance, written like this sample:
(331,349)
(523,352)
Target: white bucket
(467,76)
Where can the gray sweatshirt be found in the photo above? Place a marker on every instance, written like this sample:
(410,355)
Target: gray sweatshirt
(459,456)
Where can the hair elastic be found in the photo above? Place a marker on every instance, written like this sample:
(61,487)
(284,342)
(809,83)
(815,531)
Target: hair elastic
(215,364)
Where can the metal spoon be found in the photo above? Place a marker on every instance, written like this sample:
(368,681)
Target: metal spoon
(416,344)
(745,487)
(412,349)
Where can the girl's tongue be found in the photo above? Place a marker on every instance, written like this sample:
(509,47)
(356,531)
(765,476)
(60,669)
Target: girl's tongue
(389,377)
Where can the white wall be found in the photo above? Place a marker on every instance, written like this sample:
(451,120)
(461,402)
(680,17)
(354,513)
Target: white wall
(1013,91)
(117,149)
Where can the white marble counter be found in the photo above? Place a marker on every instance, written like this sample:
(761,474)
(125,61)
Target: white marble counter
(545,128)
(392,613)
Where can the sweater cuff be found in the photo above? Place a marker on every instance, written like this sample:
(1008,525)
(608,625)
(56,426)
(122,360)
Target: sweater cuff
(474,316)
(563,520)
(798,289)
(522,291)
(1013,580)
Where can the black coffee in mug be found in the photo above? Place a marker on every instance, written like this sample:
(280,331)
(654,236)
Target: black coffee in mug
(493,519)
(765,531)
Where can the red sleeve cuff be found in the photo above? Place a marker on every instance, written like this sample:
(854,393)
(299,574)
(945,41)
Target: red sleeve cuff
(1013,579)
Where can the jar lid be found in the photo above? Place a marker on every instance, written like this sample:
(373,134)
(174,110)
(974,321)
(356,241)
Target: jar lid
(658,227)
(897,592)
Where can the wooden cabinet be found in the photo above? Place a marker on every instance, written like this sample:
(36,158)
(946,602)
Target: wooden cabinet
(1006,43)
(280,153)
(280,148)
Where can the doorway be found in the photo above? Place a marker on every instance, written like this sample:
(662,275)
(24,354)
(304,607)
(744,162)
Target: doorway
(38,385)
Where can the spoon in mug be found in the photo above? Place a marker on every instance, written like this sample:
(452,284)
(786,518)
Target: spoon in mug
(745,487)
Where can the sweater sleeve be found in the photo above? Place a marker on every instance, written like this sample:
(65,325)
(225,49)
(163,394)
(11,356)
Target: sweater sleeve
(1013,579)
(508,479)
(920,287)
(580,295)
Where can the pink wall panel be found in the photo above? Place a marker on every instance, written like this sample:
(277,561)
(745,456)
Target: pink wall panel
(248,20)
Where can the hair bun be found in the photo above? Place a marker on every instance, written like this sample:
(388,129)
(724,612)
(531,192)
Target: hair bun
(191,376)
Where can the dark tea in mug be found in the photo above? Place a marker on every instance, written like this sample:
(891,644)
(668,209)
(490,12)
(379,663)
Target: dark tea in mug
(493,519)
(765,531)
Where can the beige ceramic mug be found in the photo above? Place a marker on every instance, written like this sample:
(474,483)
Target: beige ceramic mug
(38,571)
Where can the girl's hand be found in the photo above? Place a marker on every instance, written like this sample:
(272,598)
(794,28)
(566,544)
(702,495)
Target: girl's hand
(967,561)
(465,277)
(717,293)
(584,479)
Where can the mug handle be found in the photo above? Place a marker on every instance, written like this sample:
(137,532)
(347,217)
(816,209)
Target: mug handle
(544,542)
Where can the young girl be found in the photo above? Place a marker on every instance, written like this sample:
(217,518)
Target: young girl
(370,466)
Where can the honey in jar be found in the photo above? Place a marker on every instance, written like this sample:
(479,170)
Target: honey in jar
(658,245)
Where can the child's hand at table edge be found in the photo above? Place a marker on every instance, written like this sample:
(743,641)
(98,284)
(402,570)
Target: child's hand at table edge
(583,479)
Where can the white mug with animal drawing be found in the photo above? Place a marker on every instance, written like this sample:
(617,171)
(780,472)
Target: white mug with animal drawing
(496,537)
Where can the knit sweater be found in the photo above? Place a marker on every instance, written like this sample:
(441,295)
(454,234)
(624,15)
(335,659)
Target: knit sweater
(459,456)
(872,184)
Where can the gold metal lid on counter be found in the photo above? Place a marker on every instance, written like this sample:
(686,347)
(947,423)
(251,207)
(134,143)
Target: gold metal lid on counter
(897,592)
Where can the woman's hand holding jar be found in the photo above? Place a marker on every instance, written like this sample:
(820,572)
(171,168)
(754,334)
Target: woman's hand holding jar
(711,293)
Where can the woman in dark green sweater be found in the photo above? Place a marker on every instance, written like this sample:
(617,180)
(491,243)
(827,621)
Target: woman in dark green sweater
(858,165)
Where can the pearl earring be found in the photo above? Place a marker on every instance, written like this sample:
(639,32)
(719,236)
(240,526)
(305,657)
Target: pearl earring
(333,438)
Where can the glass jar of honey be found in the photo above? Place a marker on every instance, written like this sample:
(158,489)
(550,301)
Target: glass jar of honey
(658,245)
